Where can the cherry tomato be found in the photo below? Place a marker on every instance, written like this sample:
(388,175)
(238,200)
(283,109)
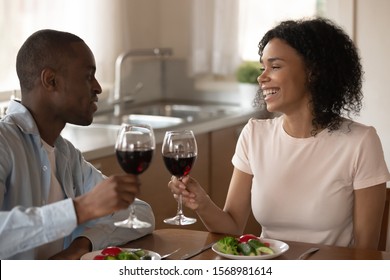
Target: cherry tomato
(244,238)
(111,251)
(99,257)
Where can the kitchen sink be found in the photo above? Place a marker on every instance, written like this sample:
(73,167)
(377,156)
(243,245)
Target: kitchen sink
(167,114)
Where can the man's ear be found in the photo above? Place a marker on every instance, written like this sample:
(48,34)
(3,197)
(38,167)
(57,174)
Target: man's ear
(48,78)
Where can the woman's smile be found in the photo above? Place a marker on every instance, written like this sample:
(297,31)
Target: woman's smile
(269,93)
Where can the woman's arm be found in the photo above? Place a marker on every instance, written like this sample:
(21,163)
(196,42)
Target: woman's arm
(232,219)
(368,211)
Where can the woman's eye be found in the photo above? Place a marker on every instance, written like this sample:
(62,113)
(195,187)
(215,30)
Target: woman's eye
(272,67)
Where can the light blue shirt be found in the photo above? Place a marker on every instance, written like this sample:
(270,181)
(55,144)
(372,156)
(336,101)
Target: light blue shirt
(26,220)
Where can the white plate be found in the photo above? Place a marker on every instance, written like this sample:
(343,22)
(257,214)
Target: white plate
(91,255)
(277,246)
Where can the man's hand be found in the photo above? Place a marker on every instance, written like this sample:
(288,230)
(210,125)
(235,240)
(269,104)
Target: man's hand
(115,193)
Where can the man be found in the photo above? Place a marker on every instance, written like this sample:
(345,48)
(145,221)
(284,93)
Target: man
(53,203)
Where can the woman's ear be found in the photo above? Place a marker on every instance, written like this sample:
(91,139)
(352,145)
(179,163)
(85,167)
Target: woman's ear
(48,78)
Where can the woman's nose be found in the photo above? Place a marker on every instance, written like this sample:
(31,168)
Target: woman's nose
(263,77)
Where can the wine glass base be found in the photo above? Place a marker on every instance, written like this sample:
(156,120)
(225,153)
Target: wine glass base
(133,223)
(180,220)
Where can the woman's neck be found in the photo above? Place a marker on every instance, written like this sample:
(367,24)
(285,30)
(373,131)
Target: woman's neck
(299,126)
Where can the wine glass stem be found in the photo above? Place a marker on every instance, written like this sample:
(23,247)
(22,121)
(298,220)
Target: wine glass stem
(180,202)
(132,212)
(180,205)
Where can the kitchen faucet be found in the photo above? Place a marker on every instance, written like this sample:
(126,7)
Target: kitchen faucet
(118,99)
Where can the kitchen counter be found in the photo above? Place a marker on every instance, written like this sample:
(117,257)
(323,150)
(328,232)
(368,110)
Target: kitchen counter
(96,141)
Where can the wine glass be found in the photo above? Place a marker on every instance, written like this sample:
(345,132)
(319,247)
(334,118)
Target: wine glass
(134,147)
(179,151)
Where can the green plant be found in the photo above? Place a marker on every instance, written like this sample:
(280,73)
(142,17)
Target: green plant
(248,72)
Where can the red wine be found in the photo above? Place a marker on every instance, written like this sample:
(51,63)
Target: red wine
(134,162)
(178,166)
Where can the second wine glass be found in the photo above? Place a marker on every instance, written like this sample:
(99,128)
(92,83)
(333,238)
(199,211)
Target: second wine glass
(134,150)
(179,151)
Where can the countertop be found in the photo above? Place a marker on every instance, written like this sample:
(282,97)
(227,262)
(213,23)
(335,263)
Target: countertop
(96,141)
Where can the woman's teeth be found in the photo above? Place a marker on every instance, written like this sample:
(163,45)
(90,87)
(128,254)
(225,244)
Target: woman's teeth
(269,92)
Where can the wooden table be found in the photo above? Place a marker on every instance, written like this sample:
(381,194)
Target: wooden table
(164,241)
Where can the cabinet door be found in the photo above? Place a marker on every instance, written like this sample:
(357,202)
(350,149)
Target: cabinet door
(107,165)
(223,144)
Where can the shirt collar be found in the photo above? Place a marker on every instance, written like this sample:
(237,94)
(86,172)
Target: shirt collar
(22,117)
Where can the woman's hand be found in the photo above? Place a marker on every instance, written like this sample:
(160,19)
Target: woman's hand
(193,195)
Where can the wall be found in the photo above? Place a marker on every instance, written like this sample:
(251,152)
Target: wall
(372,23)
(175,28)
(161,24)
(342,12)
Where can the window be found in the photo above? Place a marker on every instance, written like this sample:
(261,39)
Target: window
(85,18)
(258,16)
(105,26)
(226,32)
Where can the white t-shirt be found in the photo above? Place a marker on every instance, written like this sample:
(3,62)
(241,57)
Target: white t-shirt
(55,194)
(302,188)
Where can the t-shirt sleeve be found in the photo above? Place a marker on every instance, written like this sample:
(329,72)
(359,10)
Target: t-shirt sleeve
(370,165)
(240,158)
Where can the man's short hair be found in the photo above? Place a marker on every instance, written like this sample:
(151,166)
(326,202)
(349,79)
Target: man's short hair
(44,48)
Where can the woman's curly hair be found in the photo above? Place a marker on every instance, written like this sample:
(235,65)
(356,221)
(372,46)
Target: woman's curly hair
(334,71)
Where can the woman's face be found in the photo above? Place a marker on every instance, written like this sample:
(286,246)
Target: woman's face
(284,79)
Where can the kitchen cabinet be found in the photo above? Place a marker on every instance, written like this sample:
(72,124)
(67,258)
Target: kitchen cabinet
(223,144)
(107,165)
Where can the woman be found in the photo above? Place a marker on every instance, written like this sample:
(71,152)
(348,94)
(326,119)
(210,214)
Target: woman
(312,174)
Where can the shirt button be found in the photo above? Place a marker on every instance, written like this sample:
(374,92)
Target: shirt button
(44,168)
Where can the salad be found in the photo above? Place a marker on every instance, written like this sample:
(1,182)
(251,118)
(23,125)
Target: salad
(246,245)
(116,253)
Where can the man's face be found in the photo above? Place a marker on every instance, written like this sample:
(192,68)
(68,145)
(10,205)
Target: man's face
(77,88)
